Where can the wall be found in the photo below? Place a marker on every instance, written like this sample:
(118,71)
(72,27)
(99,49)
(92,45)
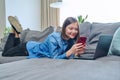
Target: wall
(2,17)
(98,10)
(27,11)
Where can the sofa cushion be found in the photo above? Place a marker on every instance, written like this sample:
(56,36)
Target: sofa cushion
(85,29)
(115,44)
(98,29)
(10,59)
(33,35)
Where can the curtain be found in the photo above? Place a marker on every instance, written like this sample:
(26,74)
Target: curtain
(49,16)
(2,18)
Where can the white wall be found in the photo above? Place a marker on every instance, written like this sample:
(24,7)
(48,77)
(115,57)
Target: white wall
(27,11)
(97,10)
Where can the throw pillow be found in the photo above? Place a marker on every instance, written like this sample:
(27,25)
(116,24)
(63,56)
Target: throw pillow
(115,44)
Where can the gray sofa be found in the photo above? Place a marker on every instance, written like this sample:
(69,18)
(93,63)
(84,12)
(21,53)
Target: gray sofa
(91,30)
(105,68)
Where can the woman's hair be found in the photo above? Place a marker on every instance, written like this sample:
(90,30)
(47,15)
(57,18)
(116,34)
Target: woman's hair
(67,22)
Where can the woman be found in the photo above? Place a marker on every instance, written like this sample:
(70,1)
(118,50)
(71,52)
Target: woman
(58,45)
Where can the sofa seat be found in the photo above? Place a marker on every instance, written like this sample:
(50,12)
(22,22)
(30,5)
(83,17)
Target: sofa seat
(52,69)
(110,58)
(10,59)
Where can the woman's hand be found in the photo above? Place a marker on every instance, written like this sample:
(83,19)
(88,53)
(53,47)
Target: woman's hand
(81,50)
(76,49)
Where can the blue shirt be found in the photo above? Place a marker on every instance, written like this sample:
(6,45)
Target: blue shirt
(54,47)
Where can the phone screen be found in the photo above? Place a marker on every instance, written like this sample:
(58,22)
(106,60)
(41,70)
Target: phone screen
(82,40)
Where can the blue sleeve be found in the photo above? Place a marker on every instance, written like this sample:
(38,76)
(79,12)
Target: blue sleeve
(54,49)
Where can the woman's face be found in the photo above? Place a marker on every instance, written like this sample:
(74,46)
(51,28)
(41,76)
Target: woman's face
(71,30)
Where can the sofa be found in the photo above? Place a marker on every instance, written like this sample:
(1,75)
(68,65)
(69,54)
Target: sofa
(104,68)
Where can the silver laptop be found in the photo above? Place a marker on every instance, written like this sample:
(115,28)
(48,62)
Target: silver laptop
(101,49)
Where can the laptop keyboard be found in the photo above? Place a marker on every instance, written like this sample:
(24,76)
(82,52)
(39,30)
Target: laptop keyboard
(89,55)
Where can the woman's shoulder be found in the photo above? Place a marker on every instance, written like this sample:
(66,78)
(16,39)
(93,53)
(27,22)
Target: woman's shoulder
(55,36)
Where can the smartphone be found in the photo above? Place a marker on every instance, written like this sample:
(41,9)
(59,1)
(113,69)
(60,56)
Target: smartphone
(82,40)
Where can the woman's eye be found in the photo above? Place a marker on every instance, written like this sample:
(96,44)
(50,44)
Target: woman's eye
(70,28)
(76,29)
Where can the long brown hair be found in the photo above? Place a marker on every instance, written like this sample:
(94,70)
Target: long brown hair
(67,22)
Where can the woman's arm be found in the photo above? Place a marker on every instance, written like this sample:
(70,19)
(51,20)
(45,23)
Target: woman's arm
(76,49)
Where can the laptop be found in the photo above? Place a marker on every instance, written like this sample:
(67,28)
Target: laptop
(101,49)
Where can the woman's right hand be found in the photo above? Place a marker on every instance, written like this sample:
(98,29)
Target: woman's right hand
(75,49)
